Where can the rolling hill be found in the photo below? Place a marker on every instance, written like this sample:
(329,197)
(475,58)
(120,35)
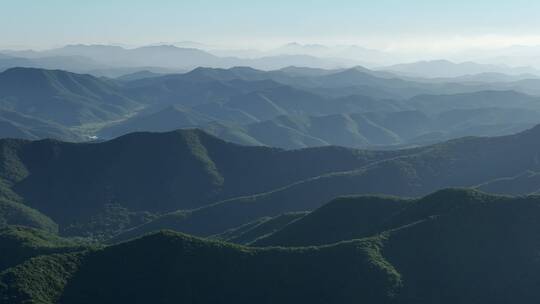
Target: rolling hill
(288,108)
(448,69)
(13,213)
(61,97)
(436,249)
(264,112)
(15,125)
(170,56)
(19,244)
(77,184)
(466,162)
(343,273)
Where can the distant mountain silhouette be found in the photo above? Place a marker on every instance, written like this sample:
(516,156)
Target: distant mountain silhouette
(169,56)
(445,68)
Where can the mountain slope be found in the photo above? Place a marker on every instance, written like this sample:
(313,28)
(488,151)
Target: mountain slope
(370,129)
(343,273)
(453,246)
(19,244)
(13,213)
(482,99)
(344,218)
(251,232)
(465,162)
(15,125)
(443,245)
(62,97)
(469,252)
(358,217)
(168,119)
(445,68)
(155,172)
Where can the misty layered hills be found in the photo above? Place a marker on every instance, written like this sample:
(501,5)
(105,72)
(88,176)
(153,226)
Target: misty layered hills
(62,97)
(195,182)
(467,162)
(16,125)
(158,56)
(476,100)
(448,69)
(289,108)
(138,75)
(77,64)
(271,118)
(439,248)
(227,103)
(108,59)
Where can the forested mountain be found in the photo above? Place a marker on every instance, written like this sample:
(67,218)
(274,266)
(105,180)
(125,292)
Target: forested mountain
(104,189)
(255,162)
(156,172)
(186,152)
(62,97)
(289,108)
(359,130)
(436,249)
(468,162)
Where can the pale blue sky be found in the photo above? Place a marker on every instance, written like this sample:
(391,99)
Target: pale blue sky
(47,23)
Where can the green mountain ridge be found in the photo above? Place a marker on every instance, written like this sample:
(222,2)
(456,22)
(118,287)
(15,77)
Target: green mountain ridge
(13,213)
(154,172)
(466,162)
(358,130)
(282,275)
(19,244)
(284,108)
(62,97)
(439,248)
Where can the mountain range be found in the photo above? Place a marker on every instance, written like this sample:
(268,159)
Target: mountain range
(288,108)
(284,186)
(111,60)
(468,162)
(448,69)
(439,248)
(196,183)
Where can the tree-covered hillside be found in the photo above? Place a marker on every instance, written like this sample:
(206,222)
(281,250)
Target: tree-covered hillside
(468,162)
(453,246)
(84,186)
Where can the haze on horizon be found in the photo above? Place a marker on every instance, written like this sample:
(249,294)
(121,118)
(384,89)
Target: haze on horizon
(432,28)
